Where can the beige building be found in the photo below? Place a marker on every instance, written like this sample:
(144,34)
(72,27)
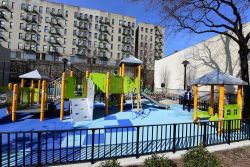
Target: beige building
(149,44)
(218,52)
(42,30)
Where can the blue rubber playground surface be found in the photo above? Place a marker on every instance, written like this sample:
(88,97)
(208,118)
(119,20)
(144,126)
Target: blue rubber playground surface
(151,116)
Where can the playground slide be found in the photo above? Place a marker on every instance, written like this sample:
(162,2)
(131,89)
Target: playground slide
(154,101)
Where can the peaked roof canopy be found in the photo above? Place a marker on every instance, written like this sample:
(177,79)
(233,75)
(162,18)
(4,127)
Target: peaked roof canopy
(131,60)
(217,77)
(34,75)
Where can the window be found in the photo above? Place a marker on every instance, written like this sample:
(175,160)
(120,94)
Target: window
(120,22)
(119,47)
(96,18)
(111,54)
(120,30)
(96,26)
(20,45)
(119,39)
(112,38)
(74,32)
(21,27)
(20,35)
(66,22)
(141,37)
(89,43)
(73,51)
(75,14)
(91,17)
(67,13)
(64,41)
(151,30)
(151,38)
(64,50)
(11,25)
(46,38)
(146,30)
(12,5)
(23,6)
(141,44)
(118,55)
(10,35)
(90,35)
(40,9)
(47,20)
(46,29)
(95,44)
(95,36)
(39,28)
(65,32)
(133,24)
(113,21)
(146,37)
(75,23)
(47,10)
(11,15)
(22,16)
(141,29)
(74,42)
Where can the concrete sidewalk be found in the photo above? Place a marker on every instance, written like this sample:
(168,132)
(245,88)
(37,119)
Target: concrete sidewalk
(134,161)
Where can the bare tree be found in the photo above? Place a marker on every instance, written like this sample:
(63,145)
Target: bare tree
(226,17)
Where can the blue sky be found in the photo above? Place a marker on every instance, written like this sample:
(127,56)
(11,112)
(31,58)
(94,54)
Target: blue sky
(138,10)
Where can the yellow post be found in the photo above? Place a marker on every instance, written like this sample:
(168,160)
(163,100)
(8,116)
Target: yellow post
(39,89)
(71,73)
(8,111)
(122,94)
(107,95)
(87,78)
(62,96)
(43,101)
(221,109)
(211,107)
(239,98)
(21,96)
(32,92)
(14,102)
(120,70)
(139,88)
(195,102)
(46,91)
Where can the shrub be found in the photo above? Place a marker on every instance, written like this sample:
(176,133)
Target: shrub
(158,161)
(200,157)
(110,163)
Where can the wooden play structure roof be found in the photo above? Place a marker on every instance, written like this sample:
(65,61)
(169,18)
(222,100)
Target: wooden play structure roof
(217,77)
(131,60)
(34,75)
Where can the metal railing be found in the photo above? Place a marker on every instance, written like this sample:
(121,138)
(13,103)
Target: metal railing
(80,145)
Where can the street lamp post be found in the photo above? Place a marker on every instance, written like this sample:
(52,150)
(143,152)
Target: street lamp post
(65,61)
(185,63)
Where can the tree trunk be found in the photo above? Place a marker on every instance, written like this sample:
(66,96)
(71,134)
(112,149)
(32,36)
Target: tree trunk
(243,52)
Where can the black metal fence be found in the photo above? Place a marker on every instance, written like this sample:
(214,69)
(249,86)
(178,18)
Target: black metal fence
(80,145)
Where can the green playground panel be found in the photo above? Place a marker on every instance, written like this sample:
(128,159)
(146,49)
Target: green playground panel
(129,85)
(115,84)
(232,112)
(70,87)
(203,114)
(26,97)
(99,81)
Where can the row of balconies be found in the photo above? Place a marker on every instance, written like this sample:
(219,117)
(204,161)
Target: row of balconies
(3,37)
(30,9)
(32,19)
(55,41)
(82,17)
(5,5)
(56,22)
(55,31)
(31,28)
(58,13)
(31,38)
(126,25)
(30,47)
(105,21)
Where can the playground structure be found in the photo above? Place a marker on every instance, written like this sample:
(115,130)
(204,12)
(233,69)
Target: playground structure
(64,88)
(225,112)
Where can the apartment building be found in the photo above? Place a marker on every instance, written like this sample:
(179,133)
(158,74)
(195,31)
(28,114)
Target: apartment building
(149,44)
(43,30)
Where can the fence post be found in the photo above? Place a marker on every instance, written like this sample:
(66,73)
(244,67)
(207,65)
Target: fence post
(174,138)
(39,155)
(93,146)
(205,133)
(229,131)
(137,142)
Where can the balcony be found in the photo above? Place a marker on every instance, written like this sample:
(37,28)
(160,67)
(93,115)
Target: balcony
(56,32)
(104,30)
(103,56)
(57,14)
(101,38)
(101,47)
(105,22)
(82,52)
(4,16)
(31,19)
(31,28)
(31,48)
(157,42)
(3,37)
(125,33)
(158,49)
(54,41)
(83,18)
(125,25)
(54,50)
(158,33)
(29,38)
(127,42)
(157,56)
(3,27)
(56,22)
(30,9)
(5,5)
(82,44)
(82,35)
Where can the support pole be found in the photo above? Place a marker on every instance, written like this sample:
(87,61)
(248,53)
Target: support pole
(71,73)
(14,102)
(87,78)
(107,95)
(139,89)
(135,72)
(221,109)
(21,96)
(32,92)
(240,99)
(39,92)
(43,101)
(211,107)
(122,94)
(195,102)
(8,111)
(62,96)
